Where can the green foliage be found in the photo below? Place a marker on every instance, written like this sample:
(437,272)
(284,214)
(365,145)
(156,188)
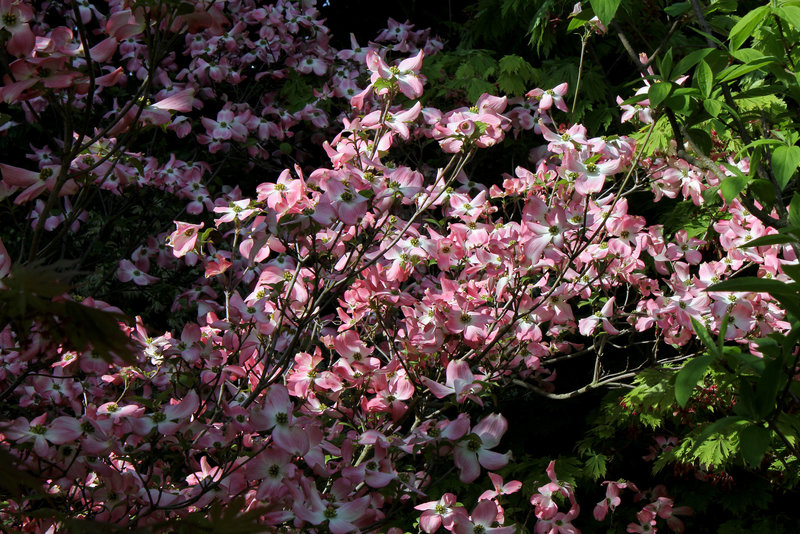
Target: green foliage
(605,9)
(471,73)
(33,295)
(515,75)
(689,376)
(713,451)
(785,160)
(596,466)
(652,398)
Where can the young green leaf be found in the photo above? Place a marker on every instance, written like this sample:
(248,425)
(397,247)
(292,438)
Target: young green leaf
(658,92)
(732,186)
(745,27)
(773,239)
(705,78)
(790,14)
(580,19)
(713,107)
(794,211)
(756,285)
(605,9)
(785,160)
(754,441)
(768,386)
(688,377)
(691,60)
(793,270)
(596,466)
(677,9)
(665,65)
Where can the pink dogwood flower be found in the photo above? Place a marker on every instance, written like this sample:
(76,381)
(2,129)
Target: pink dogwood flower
(128,272)
(472,452)
(276,415)
(14,17)
(440,513)
(481,520)
(551,97)
(184,238)
(170,419)
(405,74)
(587,325)
(500,488)
(589,176)
(459,381)
(59,431)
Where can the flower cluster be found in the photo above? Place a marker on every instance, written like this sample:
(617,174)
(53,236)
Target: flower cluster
(353,323)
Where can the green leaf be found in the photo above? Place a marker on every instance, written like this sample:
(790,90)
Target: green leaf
(793,270)
(658,92)
(715,450)
(702,139)
(691,60)
(791,303)
(794,211)
(745,27)
(705,336)
(715,428)
(756,285)
(732,186)
(758,142)
(185,8)
(713,107)
(785,160)
(737,71)
(605,9)
(746,55)
(772,239)
(768,386)
(596,466)
(665,65)
(677,9)
(688,377)
(754,441)
(790,14)
(762,189)
(14,480)
(580,19)
(382,83)
(705,78)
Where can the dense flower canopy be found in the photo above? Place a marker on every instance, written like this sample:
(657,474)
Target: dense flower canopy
(341,312)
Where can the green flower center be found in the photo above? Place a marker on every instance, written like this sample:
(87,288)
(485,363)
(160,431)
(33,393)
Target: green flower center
(9,20)
(474,443)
